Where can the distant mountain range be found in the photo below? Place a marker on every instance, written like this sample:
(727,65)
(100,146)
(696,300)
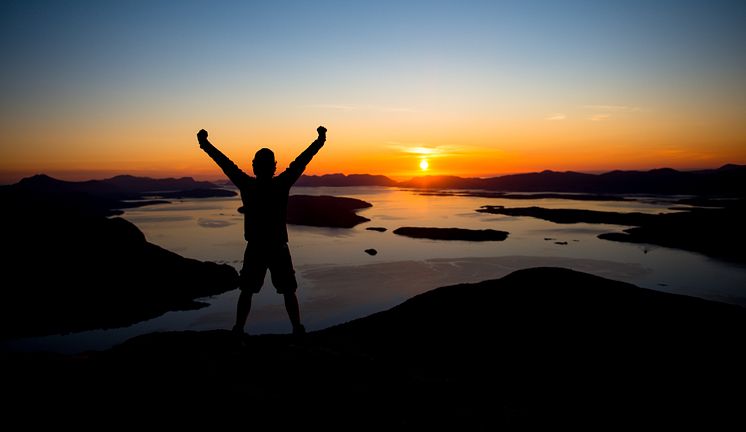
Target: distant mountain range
(125,184)
(124,187)
(728,179)
(346,180)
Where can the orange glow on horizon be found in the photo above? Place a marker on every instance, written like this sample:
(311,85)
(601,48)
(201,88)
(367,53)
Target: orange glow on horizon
(388,146)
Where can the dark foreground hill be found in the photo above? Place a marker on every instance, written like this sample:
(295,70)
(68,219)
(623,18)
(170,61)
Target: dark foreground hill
(68,267)
(543,346)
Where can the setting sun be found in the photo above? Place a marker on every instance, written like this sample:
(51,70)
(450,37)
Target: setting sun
(424,165)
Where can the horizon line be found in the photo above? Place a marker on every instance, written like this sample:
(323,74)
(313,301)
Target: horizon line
(87,175)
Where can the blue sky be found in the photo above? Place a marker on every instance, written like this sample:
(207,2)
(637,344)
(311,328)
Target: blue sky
(80,62)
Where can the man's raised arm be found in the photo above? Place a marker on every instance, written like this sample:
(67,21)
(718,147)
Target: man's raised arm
(297,167)
(230,169)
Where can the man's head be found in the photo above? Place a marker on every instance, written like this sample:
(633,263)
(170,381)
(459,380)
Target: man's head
(264,163)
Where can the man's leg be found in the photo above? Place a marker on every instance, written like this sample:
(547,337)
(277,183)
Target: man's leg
(250,281)
(291,305)
(242,310)
(283,277)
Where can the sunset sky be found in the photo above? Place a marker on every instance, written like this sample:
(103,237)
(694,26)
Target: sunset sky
(476,88)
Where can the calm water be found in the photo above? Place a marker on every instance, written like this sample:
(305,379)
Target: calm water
(339,281)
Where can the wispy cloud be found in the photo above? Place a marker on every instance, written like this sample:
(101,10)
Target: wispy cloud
(348,108)
(599,117)
(414,148)
(421,149)
(555,117)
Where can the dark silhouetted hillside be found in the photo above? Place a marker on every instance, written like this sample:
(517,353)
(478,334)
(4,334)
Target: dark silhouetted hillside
(540,347)
(67,267)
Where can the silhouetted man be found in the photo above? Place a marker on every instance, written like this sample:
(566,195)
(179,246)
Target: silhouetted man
(265,201)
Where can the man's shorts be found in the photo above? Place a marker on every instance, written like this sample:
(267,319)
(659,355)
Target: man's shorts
(256,261)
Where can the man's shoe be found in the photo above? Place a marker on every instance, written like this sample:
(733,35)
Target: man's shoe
(299,334)
(239,335)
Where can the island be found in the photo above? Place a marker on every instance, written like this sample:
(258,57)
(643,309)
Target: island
(716,232)
(527,196)
(571,216)
(452,234)
(325,211)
